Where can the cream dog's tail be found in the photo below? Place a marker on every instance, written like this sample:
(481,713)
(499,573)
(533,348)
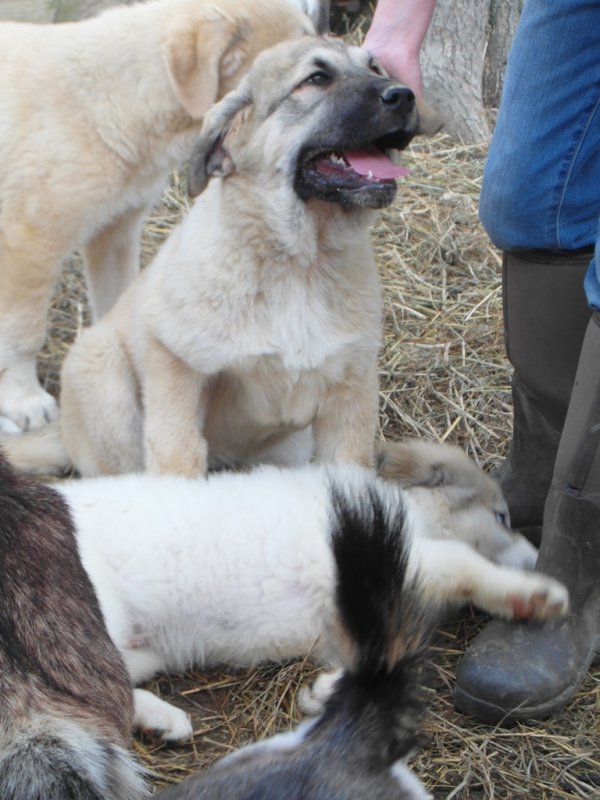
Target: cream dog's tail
(37,452)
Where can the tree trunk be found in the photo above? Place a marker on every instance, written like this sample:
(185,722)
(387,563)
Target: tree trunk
(464,58)
(504,17)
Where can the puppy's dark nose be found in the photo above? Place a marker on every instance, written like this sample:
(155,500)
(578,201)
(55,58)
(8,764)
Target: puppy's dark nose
(398,98)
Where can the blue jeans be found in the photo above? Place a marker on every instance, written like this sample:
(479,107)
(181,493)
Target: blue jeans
(541,186)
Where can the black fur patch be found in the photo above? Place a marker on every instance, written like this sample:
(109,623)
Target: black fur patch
(378,606)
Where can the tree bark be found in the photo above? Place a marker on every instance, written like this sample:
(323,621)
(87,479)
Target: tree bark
(504,17)
(463,59)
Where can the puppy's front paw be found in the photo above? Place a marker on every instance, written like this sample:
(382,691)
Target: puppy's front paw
(312,699)
(158,718)
(544,598)
(27,409)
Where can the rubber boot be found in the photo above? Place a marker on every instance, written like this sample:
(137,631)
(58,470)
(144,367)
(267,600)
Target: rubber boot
(543,339)
(527,671)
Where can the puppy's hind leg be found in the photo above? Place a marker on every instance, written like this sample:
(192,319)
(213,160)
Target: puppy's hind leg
(101,416)
(452,573)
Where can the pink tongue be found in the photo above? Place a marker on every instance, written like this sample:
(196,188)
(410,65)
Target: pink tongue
(380,166)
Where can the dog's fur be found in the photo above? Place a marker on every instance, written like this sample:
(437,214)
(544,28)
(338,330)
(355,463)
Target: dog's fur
(260,316)
(67,705)
(357,747)
(238,568)
(93,116)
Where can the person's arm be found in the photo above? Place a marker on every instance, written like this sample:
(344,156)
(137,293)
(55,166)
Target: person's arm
(395,37)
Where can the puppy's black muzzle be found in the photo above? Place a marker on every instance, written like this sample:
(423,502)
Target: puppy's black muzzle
(367,117)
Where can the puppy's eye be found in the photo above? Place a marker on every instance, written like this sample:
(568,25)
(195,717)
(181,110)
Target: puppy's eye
(319,78)
(375,67)
(502,519)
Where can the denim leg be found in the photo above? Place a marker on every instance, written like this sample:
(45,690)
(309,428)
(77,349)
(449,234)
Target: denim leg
(541,186)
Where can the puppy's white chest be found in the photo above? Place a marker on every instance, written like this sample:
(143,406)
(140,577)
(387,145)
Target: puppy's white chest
(297,329)
(298,335)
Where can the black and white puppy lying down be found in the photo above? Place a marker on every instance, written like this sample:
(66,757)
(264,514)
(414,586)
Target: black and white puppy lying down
(66,702)
(239,568)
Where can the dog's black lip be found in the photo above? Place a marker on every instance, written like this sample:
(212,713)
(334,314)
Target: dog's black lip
(348,189)
(396,140)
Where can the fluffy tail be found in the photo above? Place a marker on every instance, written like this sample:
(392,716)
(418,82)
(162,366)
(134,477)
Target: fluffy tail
(376,704)
(381,611)
(62,759)
(38,452)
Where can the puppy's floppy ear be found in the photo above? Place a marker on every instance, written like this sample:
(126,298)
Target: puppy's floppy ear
(197,53)
(460,496)
(209,156)
(401,462)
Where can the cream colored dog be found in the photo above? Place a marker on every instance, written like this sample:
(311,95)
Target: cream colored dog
(93,116)
(257,326)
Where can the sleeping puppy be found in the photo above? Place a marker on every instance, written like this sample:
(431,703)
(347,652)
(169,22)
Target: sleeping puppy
(93,117)
(67,704)
(239,569)
(254,334)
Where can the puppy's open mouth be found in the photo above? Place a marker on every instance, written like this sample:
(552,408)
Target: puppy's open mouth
(364,176)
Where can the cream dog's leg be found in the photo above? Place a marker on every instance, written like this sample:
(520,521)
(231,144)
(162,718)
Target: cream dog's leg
(345,425)
(452,572)
(112,260)
(29,266)
(101,414)
(173,439)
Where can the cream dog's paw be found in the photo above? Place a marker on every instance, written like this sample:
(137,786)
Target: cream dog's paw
(27,409)
(543,598)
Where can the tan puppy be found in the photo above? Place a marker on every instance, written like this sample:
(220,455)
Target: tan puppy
(93,116)
(257,326)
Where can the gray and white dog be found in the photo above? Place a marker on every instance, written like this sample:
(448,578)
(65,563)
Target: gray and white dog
(67,706)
